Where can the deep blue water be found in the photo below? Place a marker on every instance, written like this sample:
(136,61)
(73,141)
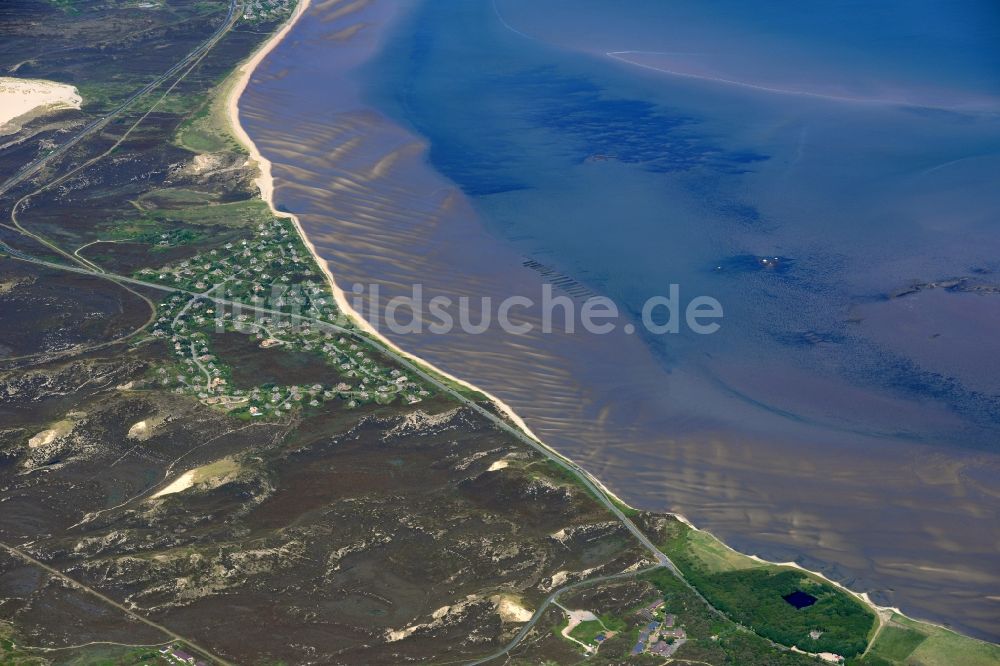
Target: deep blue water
(803,163)
(800,599)
(858,143)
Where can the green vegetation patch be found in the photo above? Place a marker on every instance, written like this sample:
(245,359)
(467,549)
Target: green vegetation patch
(714,556)
(752,593)
(236,214)
(102,95)
(586,632)
(755,598)
(176,198)
(207,129)
(161,235)
(896,643)
(253,366)
(711,638)
(904,642)
(113,656)
(11,652)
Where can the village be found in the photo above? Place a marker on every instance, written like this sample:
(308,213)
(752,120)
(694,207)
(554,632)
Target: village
(659,636)
(294,312)
(259,11)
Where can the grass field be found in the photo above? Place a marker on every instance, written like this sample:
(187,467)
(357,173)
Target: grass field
(207,129)
(751,592)
(906,642)
(586,631)
(716,557)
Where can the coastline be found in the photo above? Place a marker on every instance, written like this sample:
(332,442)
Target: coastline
(265,184)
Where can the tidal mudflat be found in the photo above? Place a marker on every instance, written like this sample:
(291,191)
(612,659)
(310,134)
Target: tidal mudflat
(846,414)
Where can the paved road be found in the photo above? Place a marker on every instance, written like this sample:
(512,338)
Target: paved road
(74,584)
(585,477)
(32,168)
(551,599)
(231,18)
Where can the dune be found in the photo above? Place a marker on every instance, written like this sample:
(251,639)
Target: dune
(212,475)
(19,97)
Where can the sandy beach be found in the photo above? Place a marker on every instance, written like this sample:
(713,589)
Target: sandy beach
(266,185)
(265,182)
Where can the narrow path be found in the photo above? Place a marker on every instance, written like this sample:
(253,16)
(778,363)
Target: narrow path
(520,636)
(39,648)
(34,167)
(883,615)
(76,252)
(73,583)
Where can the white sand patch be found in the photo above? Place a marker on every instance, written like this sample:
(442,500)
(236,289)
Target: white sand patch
(499,464)
(393,635)
(202,164)
(43,438)
(183,482)
(21,96)
(208,476)
(558,578)
(579,616)
(144,429)
(511,609)
(139,430)
(46,437)
(419,420)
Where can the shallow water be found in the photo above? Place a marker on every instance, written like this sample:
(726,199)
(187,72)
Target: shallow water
(824,422)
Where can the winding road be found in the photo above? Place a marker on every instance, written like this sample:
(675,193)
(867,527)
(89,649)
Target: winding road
(86,268)
(586,479)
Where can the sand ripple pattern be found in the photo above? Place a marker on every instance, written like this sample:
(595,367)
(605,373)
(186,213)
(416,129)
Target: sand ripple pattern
(906,523)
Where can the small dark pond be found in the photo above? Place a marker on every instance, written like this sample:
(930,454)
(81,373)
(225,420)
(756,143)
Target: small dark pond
(800,599)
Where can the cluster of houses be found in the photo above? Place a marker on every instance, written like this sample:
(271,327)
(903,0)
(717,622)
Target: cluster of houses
(244,270)
(265,10)
(246,267)
(660,636)
(174,655)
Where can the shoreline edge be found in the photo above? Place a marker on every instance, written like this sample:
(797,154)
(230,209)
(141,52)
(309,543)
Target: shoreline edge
(265,184)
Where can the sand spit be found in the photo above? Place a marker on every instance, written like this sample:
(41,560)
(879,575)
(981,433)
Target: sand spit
(19,97)
(265,183)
